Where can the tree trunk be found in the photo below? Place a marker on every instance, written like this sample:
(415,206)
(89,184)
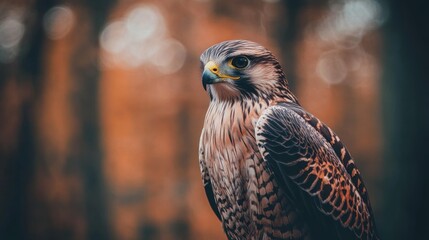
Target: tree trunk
(406,122)
(87,142)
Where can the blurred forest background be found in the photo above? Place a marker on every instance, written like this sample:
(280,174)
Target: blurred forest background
(101,107)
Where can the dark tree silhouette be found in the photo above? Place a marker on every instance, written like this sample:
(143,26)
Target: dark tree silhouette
(406,121)
(19,161)
(86,107)
(287,35)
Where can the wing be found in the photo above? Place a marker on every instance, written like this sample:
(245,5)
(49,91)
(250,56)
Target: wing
(206,181)
(341,152)
(313,176)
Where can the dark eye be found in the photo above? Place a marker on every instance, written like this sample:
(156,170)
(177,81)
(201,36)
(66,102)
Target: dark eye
(240,62)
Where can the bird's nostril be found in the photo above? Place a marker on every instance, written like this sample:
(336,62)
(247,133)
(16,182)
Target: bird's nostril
(214,69)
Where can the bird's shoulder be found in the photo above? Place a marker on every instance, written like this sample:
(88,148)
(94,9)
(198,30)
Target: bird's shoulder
(308,155)
(295,111)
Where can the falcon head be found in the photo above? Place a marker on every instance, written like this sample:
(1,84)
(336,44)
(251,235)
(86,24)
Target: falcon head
(240,69)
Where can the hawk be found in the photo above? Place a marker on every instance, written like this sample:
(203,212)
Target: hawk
(270,169)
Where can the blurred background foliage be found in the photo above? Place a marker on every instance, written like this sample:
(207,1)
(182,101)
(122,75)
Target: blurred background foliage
(101,107)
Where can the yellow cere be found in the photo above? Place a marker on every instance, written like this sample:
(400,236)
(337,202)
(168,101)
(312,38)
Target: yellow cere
(212,66)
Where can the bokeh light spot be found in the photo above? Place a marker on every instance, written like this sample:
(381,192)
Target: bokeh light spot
(114,37)
(11,33)
(141,38)
(349,20)
(58,22)
(331,68)
(169,56)
(144,22)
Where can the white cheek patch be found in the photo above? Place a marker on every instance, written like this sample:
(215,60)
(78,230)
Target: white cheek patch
(263,77)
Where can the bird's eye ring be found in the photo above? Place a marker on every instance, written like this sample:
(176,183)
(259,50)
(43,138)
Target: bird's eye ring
(240,62)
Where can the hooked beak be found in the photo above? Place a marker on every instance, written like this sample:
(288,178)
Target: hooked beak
(209,78)
(212,75)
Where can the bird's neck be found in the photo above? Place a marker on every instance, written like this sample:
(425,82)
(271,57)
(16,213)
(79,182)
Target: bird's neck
(243,112)
(280,94)
(232,115)
(283,94)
